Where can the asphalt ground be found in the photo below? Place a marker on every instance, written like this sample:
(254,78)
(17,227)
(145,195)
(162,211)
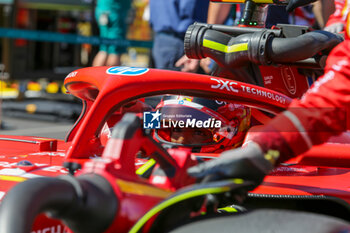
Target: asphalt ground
(35,127)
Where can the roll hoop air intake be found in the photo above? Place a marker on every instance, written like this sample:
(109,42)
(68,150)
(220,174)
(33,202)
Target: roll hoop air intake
(261,46)
(85,204)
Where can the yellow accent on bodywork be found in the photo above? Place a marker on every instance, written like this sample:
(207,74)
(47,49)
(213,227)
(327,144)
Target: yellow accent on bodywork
(272,156)
(12,178)
(173,200)
(141,189)
(228,209)
(187,195)
(224,48)
(145,167)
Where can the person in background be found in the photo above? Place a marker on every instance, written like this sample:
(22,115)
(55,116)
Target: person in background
(337,21)
(111,16)
(169,20)
(323,9)
(229,14)
(218,13)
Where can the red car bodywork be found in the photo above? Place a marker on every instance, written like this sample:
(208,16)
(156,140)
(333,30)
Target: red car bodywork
(323,171)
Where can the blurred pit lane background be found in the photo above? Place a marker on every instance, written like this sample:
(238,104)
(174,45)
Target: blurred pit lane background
(35,127)
(41,41)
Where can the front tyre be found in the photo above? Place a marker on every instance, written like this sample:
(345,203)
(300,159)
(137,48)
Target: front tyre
(267,221)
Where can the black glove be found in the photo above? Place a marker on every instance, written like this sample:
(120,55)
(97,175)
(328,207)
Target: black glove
(292,4)
(248,163)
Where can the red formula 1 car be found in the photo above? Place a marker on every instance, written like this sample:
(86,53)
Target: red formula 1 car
(104,194)
(104,90)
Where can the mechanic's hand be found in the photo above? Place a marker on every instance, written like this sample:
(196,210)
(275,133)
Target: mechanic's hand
(292,4)
(205,64)
(187,64)
(335,27)
(248,163)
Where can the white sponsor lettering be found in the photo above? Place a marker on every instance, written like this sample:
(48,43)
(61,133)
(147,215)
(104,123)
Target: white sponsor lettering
(268,79)
(2,194)
(221,84)
(269,95)
(11,169)
(55,169)
(72,74)
(60,154)
(7,164)
(53,229)
(338,66)
(17,172)
(227,85)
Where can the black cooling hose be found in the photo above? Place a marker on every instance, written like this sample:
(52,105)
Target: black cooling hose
(284,50)
(260,47)
(86,204)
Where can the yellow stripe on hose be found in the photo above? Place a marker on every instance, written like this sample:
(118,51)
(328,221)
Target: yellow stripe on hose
(224,48)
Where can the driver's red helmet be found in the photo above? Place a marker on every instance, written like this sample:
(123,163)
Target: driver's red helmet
(224,124)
